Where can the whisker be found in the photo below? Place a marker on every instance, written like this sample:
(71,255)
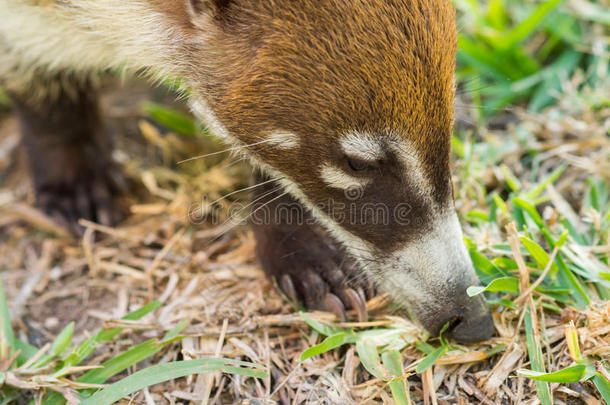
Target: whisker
(473,90)
(248,205)
(239,191)
(483,107)
(231,149)
(252,202)
(228,220)
(252,154)
(267,203)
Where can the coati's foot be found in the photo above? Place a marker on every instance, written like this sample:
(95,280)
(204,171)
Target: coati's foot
(307,264)
(69,154)
(92,195)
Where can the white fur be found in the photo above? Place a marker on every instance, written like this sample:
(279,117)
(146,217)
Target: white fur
(362,146)
(428,265)
(85,36)
(411,162)
(207,116)
(337,178)
(284,140)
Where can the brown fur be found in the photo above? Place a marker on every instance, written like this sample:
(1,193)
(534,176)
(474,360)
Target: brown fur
(312,67)
(320,68)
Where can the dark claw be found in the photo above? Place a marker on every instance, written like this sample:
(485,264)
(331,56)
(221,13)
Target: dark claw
(358,303)
(83,206)
(362,294)
(370,290)
(102,195)
(333,304)
(287,286)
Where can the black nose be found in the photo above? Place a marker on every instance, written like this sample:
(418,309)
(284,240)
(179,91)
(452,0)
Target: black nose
(474,324)
(473,330)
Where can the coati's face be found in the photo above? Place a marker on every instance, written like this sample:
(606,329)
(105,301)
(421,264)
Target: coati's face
(349,103)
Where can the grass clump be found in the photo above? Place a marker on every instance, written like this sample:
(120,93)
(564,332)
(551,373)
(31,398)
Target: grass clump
(59,372)
(524,51)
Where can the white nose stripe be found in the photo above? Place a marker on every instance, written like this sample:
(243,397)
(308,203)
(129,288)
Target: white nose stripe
(437,261)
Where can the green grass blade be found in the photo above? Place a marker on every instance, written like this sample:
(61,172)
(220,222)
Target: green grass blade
(27,350)
(510,284)
(567,278)
(60,344)
(158,374)
(319,326)
(244,372)
(143,311)
(567,375)
(496,15)
(6,330)
(430,359)
(535,355)
(539,254)
(536,191)
(330,343)
(484,59)
(121,362)
(172,119)
(392,361)
(175,331)
(530,209)
(425,347)
(500,204)
(560,70)
(369,356)
(603,386)
(485,268)
(87,347)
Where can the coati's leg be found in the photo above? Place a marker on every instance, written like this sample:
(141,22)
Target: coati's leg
(307,264)
(69,156)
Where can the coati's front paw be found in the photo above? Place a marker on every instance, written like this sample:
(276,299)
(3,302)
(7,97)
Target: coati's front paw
(312,269)
(309,287)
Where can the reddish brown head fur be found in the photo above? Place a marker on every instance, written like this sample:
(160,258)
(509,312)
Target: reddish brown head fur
(320,68)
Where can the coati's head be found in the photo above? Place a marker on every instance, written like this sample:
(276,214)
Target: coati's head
(350,104)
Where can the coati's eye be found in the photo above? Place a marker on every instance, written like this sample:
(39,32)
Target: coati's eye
(359,165)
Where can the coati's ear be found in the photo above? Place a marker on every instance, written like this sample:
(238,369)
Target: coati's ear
(216,9)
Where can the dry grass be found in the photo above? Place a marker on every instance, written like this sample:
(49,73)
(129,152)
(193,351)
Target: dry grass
(207,274)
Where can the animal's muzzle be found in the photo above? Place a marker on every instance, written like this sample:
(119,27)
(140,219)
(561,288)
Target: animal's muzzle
(470,322)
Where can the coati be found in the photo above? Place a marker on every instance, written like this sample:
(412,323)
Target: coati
(346,107)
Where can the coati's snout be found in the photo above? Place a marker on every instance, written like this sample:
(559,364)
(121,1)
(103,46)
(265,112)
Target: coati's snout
(430,276)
